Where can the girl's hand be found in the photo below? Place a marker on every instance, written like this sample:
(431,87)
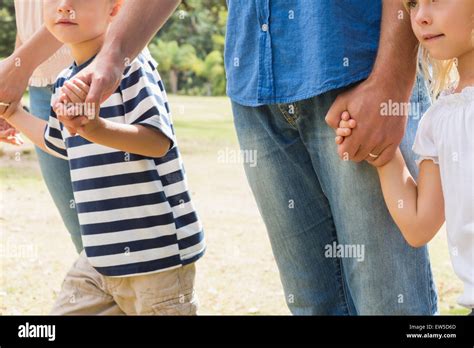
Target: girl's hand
(345,127)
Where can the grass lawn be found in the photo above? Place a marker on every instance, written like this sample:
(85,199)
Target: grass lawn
(238,275)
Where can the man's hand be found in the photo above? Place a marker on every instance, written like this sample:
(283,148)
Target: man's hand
(375,134)
(103,76)
(392,79)
(73,111)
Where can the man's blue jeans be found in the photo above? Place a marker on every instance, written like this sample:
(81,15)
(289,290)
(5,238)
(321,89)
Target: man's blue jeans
(314,204)
(55,171)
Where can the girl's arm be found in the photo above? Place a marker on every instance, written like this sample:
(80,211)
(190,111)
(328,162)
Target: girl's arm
(417,209)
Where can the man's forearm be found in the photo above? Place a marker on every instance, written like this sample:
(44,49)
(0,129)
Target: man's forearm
(36,50)
(397,54)
(136,24)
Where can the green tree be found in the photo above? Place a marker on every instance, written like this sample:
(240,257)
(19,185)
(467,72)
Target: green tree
(174,60)
(200,24)
(7,27)
(214,73)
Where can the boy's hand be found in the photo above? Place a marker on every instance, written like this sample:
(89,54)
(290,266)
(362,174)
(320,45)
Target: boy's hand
(9,134)
(346,124)
(72,110)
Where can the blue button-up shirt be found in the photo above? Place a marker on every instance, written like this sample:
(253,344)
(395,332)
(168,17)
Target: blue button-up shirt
(282,51)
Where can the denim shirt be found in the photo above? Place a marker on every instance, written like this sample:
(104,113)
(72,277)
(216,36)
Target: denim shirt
(283,51)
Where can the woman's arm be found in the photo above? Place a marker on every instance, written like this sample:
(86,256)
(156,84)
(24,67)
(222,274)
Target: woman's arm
(17,42)
(16,70)
(37,49)
(417,209)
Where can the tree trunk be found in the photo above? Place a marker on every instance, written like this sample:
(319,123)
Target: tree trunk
(174,81)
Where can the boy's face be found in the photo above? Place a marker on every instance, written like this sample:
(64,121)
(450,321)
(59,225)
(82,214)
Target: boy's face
(443,27)
(75,21)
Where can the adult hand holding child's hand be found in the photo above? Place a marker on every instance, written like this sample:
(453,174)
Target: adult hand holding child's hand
(72,109)
(9,134)
(98,81)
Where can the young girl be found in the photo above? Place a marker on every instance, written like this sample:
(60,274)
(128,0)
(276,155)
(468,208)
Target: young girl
(444,141)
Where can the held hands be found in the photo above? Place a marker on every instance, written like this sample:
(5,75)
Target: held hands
(344,130)
(346,124)
(8,134)
(72,110)
(377,137)
(91,87)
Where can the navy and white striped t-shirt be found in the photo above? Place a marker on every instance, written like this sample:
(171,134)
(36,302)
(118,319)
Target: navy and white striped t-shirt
(135,212)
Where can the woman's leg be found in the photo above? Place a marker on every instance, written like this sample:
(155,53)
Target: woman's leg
(55,170)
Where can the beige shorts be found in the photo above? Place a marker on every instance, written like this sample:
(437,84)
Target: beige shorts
(86,291)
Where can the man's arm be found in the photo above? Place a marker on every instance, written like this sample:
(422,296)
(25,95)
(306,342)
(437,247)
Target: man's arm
(16,70)
(392,78)
(135,25)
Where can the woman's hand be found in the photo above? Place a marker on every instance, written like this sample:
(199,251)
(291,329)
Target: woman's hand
(9,134)
(14,77)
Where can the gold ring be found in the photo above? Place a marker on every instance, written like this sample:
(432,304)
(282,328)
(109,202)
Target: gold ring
(373,156)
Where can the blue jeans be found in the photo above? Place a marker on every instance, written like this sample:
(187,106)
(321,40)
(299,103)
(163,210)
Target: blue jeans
(55,171)
(313,203)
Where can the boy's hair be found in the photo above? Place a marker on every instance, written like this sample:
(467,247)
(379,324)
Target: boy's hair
(440,74)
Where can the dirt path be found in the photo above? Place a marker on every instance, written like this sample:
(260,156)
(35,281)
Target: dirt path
(238,274)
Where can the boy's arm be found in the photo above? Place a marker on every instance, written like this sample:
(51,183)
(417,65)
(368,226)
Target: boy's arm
(32,127)
(418,210)
(147,140)
(137,139)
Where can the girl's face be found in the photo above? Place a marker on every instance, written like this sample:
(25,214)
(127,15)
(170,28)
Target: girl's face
(443,27)
(74,21)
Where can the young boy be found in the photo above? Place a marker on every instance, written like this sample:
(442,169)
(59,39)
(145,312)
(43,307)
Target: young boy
(140,231)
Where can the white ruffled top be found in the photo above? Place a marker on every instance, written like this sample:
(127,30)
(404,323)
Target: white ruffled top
(446,136)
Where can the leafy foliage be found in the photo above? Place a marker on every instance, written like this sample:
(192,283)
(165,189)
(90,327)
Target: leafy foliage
(189,48)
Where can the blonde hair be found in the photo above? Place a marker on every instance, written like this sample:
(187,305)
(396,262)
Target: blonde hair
(440,74)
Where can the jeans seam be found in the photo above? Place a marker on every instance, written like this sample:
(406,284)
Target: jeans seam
(344,290)
(430,282)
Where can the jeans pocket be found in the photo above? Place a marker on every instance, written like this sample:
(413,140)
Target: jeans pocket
(290,112)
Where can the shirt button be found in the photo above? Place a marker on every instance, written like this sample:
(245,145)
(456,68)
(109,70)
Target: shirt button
(264,27)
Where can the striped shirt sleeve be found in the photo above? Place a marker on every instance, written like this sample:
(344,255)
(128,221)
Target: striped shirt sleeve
(144,100)
(53,137)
